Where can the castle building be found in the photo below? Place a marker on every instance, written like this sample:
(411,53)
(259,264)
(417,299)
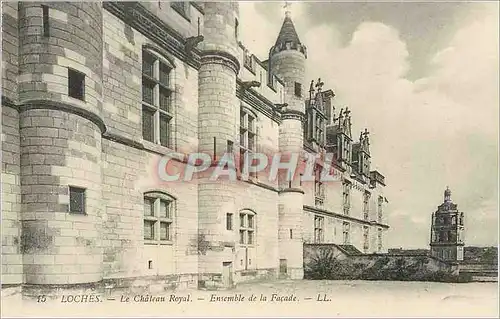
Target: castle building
(447,231)
(96,94)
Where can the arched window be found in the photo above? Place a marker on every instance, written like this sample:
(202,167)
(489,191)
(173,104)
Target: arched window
(158,217)
(157,93)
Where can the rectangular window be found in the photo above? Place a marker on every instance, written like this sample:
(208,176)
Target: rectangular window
(76,84)
(148,124)
(365,238)
(318,229)
(236,26)
(165,75)
(346,233)
(148,61)
(380,208)
(230,146)
(157,219)
(298,89)
(149,207)
(250,221)
(164,231)
(164,209)
(157,99)
(149,230)
(148,88)
(165,99)
(346,197)
(229,221)
(250,237)
(164,130)
(366,203)
(242,237)
(379,238)
(76,200)
(242,220)
(46,26)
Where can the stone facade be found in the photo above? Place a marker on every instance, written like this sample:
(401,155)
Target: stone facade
(77,89)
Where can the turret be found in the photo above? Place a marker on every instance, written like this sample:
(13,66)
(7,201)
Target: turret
(60,88)
(218,127)
(287,61)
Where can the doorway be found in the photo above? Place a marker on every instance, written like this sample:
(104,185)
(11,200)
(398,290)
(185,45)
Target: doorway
(227,274)
(283,267)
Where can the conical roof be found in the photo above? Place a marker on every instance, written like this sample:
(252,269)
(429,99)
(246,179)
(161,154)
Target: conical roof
(287,32)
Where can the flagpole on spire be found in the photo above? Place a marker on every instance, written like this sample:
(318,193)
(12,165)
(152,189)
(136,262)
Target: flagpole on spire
(288,7)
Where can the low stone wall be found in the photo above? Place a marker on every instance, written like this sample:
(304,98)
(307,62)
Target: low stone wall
(329,261)
(107,287)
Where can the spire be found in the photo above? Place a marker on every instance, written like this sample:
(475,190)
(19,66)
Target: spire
(447,195)
(287,32)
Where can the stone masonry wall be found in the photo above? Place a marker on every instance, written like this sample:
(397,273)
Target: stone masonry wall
(129,172)
(12,268)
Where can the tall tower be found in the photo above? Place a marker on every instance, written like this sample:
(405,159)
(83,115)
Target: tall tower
(218,126)
(287,61)
(60,90)
(447,231)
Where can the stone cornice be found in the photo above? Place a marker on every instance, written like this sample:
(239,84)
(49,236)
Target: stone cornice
(343,217)
(221,57)
(257,101)
(8,102)
(292,115)
(292,190)
(65,107)
(152,27)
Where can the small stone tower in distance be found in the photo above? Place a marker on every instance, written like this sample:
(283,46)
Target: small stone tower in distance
(447,231)
(287,61)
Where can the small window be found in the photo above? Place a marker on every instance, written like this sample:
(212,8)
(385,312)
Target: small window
(77,200)
(298,89)
(229,146)
(150,264)
(45,15)
(291,233)
(76,84)
(229,221)
(236,31)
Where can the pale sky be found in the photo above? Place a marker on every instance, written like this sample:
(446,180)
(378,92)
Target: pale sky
(423,78)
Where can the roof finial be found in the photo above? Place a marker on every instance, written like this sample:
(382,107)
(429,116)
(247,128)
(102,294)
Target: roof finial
(288,8)
(447,195)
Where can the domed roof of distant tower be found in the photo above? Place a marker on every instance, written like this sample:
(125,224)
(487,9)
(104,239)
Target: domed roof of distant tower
(287,32)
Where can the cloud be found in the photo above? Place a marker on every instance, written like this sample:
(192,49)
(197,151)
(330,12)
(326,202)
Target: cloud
(425,134)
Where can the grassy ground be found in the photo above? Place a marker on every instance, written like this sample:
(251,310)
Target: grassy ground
(285,298)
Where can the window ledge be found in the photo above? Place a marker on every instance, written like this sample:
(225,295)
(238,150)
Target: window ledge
(156,242)
(163,150)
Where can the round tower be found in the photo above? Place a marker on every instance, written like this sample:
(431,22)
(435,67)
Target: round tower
(60,90)
(218,114)
(287,60)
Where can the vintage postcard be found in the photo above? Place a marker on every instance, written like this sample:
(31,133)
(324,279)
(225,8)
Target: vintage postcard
(243,159)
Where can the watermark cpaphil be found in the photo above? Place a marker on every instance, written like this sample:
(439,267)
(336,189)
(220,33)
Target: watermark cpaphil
(289,167)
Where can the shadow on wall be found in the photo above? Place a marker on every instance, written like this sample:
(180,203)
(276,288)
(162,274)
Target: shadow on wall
(328,261)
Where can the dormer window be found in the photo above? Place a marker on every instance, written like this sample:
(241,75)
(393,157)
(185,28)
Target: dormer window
(182,8)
